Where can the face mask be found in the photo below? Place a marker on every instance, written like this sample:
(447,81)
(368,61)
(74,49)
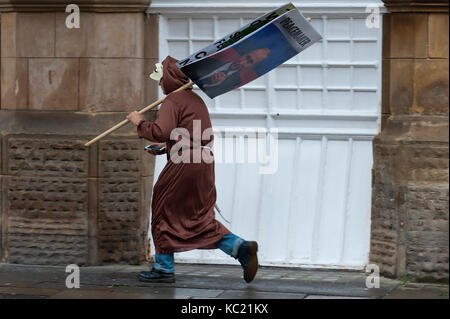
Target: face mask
(157,72)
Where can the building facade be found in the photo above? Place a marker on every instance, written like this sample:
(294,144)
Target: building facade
(410,175)
(61,202)
(361,119)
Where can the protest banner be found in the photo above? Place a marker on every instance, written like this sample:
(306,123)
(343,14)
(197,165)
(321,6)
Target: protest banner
(236,35)
(252,56)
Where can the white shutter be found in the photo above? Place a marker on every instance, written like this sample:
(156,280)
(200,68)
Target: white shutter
(325,102)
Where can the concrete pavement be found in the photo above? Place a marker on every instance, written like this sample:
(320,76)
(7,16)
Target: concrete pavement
(205,282)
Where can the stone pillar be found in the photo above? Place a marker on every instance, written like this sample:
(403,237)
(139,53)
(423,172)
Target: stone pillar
(60,202)
(410,229)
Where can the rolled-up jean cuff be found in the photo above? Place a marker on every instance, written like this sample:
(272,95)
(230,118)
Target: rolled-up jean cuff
(164,263)
(160,268)
(237,243)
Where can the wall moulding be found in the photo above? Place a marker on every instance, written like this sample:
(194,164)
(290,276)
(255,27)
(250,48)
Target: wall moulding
(254,7)
(85,5)
(416,6)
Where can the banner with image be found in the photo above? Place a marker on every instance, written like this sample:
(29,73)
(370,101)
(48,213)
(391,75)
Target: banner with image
(236,35)
(254,55)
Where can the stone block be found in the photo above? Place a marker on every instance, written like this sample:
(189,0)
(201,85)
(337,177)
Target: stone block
(53,84)
(406,163)
(420,34)
(93,207)
(385,87)
(401,86)
(1,155)
(428,203)
(27,34)
(119,206)
(119,158)
(431,81)
(386,224)
(46,220)
(85,125)
(428,210)
(384,255)
(122,219)
(92,221)
(428,225)
(428,164)
(8,35)
(382,173)
(384,120)
(3,220)
(401,36)
(46,156)
(429,157)
(408,35)
(47,206)
(73,42)
(121,249)
(386,36)
(111,84)
(427,261)
(93,160)
(383,231)
(151,36)
(14,83)
(404,129)
(424,176)
(118,35)
(37,249)
(428,238)
(108,35)
(438,35)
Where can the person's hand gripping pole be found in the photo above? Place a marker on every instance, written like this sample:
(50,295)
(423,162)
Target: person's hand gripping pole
(145,109)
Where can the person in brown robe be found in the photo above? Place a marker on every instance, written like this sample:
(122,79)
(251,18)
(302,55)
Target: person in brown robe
(184,195)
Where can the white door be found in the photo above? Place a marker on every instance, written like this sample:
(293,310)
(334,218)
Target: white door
(314,211)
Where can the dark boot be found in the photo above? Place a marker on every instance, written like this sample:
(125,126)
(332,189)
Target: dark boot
(248,258)
(156,276)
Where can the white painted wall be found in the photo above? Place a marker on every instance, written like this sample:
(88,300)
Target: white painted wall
(325,103)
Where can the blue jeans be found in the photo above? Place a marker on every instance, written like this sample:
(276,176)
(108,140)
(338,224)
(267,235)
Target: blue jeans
(229,244)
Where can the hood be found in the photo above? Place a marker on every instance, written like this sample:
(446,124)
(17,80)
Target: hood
(172,77)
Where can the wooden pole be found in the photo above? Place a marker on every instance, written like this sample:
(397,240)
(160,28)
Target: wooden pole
(145,109)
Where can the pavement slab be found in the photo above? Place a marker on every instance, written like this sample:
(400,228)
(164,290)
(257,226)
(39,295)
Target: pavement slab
(419,291)
(332,297)
(252,294)
(193,281)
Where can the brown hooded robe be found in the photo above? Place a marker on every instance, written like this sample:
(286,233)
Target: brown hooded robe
(184,196)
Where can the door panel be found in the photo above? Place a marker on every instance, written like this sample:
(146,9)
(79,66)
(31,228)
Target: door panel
(314,211)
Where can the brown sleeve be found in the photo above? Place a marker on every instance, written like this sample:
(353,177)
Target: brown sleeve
(159,130)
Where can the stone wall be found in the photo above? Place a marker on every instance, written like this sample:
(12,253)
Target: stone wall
(61,202)
(410,228)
